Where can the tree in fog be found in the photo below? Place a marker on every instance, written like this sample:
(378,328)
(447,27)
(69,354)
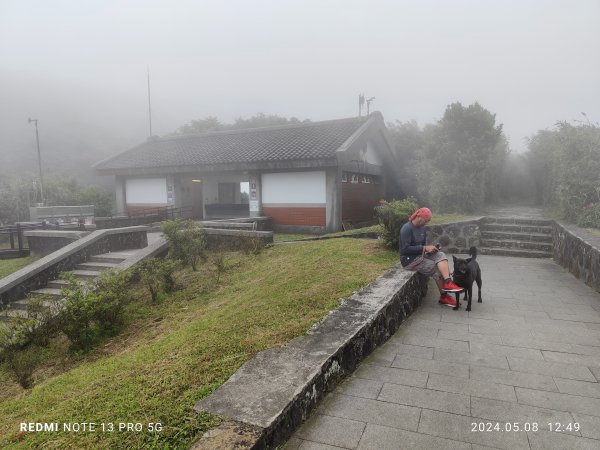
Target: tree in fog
(454,165)
(211,123)
(565,165)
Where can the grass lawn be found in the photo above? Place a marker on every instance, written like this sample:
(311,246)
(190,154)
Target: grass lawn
(176,352)
(8,266)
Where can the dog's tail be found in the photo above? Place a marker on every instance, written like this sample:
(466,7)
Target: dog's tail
(473,253)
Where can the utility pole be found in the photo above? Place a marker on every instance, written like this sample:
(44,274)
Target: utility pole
(149,108)
(37,140)
(361,103)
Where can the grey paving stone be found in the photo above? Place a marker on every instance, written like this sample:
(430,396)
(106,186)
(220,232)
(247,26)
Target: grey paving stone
(589,426)
(554,369)
(435,342)
(426,365)
(546,440)
(536,344)
(377,437)
(474,359)
(413,332)
(309,445)
(437,325)
(570,358)
(591,317)
(457,317)
(371,411)
(496,410)
(505,350)
(481,447)
(392,375)
(425,398)
(593,326)
(574,387)
(360,387)
(331,430)
(292,444)
(497,331)
(469,337)
(565,338)
(408,349)
(478,388)
(429,315)
(379,358)
(596,372)
(558,401)
(584,349)
(457,427)
(507,314)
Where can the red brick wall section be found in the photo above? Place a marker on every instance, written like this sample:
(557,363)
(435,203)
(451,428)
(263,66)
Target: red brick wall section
(296,216)
(149,209)
(359,199)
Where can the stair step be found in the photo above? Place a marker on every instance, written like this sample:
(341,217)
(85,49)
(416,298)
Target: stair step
(523,245)
(536,229)
(96,266)
(47,292)
(114,257)
(514,252)
(516,236)
(22,304)
(6,314)
(517,221)
(58,284)
(86,274)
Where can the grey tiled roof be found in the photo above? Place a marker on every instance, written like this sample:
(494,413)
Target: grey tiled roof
(306,141)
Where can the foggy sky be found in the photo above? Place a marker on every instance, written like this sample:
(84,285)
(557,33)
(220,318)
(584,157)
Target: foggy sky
(79,67)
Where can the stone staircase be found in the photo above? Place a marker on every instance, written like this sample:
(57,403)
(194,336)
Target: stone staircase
(84,272)
(529,238)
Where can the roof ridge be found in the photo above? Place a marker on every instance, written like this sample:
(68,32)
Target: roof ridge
(260,129)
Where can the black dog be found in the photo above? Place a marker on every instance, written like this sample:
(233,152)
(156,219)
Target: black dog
(467,272)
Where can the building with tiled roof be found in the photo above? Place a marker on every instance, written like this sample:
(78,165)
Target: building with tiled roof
(311,175)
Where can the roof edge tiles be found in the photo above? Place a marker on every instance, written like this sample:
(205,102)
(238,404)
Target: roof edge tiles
(289,142)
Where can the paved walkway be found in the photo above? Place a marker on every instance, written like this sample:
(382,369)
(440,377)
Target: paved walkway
(527,357)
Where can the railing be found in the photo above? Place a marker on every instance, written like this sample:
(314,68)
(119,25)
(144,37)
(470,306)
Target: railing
(145,216)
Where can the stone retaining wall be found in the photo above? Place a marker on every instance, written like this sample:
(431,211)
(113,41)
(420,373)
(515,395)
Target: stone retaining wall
(37,274)
(578,251)
(237,239)
(271,395)
(456,237)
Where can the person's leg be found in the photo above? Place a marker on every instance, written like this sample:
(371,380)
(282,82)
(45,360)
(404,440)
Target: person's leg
(444,269)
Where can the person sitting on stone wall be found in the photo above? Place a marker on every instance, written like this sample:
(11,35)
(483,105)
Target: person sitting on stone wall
(426,259)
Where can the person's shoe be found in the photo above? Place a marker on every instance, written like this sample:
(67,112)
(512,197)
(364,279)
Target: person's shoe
(451,287)
(447,300)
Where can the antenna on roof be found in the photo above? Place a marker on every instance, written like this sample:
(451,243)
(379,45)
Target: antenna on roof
(361,103)
(149,107)
(369,100)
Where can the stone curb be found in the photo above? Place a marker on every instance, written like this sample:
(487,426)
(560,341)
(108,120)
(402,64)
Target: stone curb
(272,394)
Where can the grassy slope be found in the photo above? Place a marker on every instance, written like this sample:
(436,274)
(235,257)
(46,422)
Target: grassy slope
(174,354)
(8,266)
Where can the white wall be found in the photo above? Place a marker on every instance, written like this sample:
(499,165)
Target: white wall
(145,191)
(293,188)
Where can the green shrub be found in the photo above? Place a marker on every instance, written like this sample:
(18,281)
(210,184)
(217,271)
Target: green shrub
(93,311)
(22,363)
(589,216)
(157,276)
(111,296)
(187,241)
(391,216)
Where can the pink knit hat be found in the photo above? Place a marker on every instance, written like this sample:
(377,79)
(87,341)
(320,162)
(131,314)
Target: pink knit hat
(421,212)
